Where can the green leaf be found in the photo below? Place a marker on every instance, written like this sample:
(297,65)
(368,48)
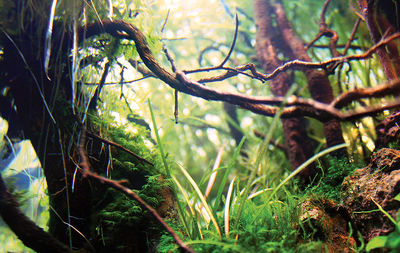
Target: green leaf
(397,197)
(376,242)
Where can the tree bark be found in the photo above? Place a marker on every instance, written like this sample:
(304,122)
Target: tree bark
(299,146)
(317,80)
(27,231)
(369,12)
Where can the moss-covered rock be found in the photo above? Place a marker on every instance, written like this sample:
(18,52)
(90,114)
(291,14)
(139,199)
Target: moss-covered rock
(378,182)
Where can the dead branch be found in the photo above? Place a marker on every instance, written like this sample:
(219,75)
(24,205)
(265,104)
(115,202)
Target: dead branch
(390,88)
(325,31)
(141,159)
(295,64)
(295,107)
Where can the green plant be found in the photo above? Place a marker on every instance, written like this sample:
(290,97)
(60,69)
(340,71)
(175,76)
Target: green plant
(391,241)
(329,184)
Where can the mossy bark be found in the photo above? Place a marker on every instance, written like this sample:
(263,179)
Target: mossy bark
(74,200)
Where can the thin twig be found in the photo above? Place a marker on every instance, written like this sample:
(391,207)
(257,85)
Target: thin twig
(165,21)
(233,42)
(141,159)
(170,59)
(176,108)
(353,34)
(221,65)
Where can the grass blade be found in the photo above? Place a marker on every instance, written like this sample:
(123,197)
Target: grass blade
(202,199)
(300,168)
(227,205)
(49,32)
(214,172)
(228,170)
(192,213)
(306,163)
(261,153)
(153,119)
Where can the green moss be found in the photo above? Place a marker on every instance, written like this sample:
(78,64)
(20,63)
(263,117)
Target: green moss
(121,224)
(394,145)
(329,185)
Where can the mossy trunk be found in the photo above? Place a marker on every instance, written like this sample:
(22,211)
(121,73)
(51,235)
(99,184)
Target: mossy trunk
(41,108)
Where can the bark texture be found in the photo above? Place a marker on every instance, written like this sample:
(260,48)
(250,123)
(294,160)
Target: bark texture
(317,80)
(299,146)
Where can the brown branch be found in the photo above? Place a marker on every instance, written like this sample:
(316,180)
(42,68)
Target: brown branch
(295,64)
(325,31)
(117,185)
(221,65)
(390,88)
(353,34)
(300,64)
(27,231)
(367,11)
(141,159)
(179,81)
(323,28)
(93,100)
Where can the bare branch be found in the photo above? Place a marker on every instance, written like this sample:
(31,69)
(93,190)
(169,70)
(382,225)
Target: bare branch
(233,42)
(141,159)
(221,65)
(390,88)
(295,106)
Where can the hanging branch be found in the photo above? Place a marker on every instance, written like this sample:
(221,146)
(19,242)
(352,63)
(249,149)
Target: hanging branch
(221,65)
(325,31)
(93,100)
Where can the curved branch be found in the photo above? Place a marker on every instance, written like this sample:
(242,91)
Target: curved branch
(294,107)
(390,88)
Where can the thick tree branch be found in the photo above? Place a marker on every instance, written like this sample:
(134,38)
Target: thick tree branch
(27,231)
(367,12)
(179,81)
(390,88)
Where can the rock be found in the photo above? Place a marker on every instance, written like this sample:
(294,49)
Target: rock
(379,181)
(328,222)
(388,130)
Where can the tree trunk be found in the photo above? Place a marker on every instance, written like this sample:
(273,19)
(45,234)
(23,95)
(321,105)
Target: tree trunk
(79,206)
(317,80)
(299,146)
